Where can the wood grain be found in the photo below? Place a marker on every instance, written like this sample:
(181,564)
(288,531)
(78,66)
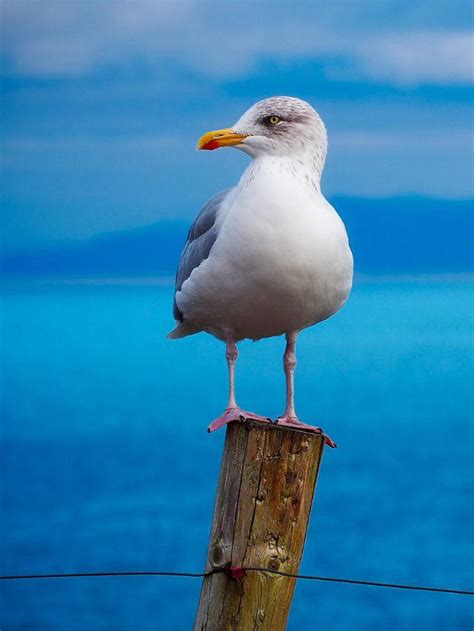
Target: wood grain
(263,503)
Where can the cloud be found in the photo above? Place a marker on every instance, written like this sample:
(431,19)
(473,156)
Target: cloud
(420,57)
(80,38)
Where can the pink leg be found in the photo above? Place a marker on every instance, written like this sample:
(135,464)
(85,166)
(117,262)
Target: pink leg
(233,412)
(289,418)
(231,354)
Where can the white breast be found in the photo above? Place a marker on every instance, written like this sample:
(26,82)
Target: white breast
(281,262)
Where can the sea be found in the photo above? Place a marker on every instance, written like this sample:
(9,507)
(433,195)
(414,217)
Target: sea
(106,464)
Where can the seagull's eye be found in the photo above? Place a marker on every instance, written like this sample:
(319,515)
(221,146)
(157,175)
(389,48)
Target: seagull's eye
(273,120)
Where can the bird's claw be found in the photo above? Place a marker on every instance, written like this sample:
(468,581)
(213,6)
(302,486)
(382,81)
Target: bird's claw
(235,414)
(294,423)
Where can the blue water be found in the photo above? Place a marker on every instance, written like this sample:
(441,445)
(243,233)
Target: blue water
(105,462)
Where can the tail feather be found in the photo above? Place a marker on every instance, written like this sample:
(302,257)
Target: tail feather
(182,330)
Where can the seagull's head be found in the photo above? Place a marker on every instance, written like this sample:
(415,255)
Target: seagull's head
(278,126)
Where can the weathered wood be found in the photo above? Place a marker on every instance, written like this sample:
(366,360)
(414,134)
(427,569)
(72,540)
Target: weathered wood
(263,502)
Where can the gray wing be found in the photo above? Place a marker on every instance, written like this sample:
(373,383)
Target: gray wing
(201,237)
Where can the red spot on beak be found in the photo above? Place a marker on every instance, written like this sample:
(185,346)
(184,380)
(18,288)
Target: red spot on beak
(209,146)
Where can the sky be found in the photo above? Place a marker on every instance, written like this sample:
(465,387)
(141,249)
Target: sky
(102,103)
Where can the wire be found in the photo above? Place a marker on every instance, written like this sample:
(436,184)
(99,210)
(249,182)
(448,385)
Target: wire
(353,581)
(238,573)
(22,577)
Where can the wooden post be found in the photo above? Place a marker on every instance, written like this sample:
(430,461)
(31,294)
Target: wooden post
(264,496)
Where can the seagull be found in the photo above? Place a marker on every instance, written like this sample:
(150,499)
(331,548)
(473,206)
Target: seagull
(269,256)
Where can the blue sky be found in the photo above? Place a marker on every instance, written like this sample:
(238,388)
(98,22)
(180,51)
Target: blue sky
(102,102)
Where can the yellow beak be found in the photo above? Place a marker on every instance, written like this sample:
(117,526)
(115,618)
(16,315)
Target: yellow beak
(219,138)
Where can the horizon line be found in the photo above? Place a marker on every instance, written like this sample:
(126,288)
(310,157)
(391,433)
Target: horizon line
(168,281)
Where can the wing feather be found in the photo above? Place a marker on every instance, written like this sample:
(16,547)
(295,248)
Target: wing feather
(201,237)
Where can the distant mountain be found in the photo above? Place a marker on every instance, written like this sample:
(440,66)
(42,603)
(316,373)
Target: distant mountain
(144,251)
(410,234)
(388,236)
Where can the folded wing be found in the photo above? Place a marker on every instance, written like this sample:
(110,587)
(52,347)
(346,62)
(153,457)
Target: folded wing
(201,237)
